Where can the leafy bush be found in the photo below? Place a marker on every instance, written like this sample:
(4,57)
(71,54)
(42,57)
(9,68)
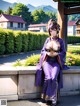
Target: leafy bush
(74,49)
(32,60)
(2,41)
(73,39)
(2,49)
(72,59)
(17,41)
(18,63)
(9,42)
(24,41)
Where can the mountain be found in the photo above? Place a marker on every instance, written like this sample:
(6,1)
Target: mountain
(31,8)
(5,5)
(46,8)
(43,7)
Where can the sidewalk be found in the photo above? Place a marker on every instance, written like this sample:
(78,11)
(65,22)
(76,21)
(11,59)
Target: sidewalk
(64,101)
(8,60)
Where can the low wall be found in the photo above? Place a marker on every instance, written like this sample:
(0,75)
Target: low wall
(19,82)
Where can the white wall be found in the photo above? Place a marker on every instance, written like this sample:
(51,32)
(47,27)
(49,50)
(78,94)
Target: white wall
(70,30)
(3,25)
(6,25)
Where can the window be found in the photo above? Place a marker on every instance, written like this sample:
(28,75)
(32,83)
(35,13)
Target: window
(18,25)
(2,25)
(11,24)
(21,25)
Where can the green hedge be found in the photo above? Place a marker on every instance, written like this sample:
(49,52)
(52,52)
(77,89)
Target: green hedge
(9,42)
(73,39)
(24,41)
(2,41)
(17,42)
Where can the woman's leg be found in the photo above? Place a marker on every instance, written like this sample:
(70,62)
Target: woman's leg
(46,89)
(54,75)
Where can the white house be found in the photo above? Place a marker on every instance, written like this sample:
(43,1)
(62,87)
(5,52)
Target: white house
(78,27)
(12,22)
(37,27)
(71,28)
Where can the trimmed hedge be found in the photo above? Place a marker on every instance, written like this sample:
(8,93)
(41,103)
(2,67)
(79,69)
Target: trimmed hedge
(17,42)
(2,41)
(24,41)
(9,42)
(73,39)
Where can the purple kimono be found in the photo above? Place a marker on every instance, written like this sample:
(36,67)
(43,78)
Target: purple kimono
(49,76)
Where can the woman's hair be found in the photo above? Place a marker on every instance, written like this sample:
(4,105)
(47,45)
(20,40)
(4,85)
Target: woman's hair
(52,24)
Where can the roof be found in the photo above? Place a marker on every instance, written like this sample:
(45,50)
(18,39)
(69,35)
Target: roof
(69,3)
(11,18)
(78,21)
(37,25)
(71,23)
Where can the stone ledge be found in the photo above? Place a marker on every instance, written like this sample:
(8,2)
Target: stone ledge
(32,70)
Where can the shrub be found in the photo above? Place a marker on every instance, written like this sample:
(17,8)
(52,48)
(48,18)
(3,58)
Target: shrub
(74,49)
(17,41)
(9,42)
(18,63)
(2,49)
(72,59)
(32,60)
(24,41)
(2,41)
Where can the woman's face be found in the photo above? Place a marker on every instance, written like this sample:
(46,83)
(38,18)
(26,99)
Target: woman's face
(53,32)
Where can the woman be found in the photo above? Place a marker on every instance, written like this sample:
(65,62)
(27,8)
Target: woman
(51,64)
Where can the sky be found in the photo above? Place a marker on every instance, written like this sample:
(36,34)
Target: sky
(35,2)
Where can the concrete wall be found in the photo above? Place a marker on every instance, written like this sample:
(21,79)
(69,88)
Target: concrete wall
(19,83)
(3,24)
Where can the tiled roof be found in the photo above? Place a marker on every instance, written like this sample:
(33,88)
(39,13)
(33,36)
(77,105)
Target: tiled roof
(37,25)
(11,18)
(71,23)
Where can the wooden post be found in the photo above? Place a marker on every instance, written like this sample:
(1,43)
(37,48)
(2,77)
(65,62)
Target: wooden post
(62,20)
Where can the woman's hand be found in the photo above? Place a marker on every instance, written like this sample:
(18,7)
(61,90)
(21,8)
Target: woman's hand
(52,54)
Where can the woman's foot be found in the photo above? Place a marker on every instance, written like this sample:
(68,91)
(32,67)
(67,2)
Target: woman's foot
(43,100)
(54,102)
(48,102)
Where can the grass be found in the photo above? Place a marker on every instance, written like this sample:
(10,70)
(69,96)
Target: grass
(72,57)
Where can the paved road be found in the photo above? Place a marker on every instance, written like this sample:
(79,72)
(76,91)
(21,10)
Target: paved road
(10,59)
(64,101)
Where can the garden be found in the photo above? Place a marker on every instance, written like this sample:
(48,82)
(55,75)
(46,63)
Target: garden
(72,57)
(12,42)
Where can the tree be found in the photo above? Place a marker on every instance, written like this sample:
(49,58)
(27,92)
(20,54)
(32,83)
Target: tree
(1,11)
(22,10)
(39,16)
(52,15)
(9,11)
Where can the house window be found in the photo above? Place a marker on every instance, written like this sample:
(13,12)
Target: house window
(18,25)
(11,24)
(2,25)
(21,25)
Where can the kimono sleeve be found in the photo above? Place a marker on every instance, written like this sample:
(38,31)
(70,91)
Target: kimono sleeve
(62,52)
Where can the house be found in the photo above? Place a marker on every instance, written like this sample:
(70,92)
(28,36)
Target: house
(71,28)
(78,27)
(37,27)
(12,22)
